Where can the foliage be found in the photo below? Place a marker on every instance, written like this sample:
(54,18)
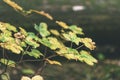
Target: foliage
(22,43)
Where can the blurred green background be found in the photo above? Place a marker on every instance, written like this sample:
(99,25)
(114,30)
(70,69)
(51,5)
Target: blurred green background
(100,20)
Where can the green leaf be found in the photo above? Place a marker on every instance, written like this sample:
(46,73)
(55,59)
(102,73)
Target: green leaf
(9,63)
(87,58)
(54,43)
(42,29)
(28,71)
(76,29)
(23,31)
(45,42)
(71,37)
(5,76)
(10,27)
(32,40)
(35,53)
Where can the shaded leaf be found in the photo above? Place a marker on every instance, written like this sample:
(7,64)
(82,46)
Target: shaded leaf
(28,71)
(5,76)
(35,53)
(10,63)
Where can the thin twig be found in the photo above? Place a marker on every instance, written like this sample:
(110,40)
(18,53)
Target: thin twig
(79,46)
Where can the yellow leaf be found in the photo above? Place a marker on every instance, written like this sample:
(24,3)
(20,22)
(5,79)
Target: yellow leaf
(53,62)
(62,24)
(88,43)
(43,13)
(13,5)
(55,32)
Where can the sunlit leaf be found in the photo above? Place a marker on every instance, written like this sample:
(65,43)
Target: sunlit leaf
(28,71)
(53,62)
(43,14)
(45,42)
(71,37)
(13,5)
(76,29)
(12,46)
(54,43)
(87,58)
(7,62)
(55,32)
(32,40)
(62,24)
(42,29)
(88,43)
(35,53)
(23,31)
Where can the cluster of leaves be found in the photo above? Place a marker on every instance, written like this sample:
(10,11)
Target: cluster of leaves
(19,41)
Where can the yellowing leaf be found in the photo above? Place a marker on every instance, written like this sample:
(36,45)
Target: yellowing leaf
(54,43)
(88,43)
(55,32)
(13,5)
(71,37)
(43,14)
(62,24)
(53,62)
